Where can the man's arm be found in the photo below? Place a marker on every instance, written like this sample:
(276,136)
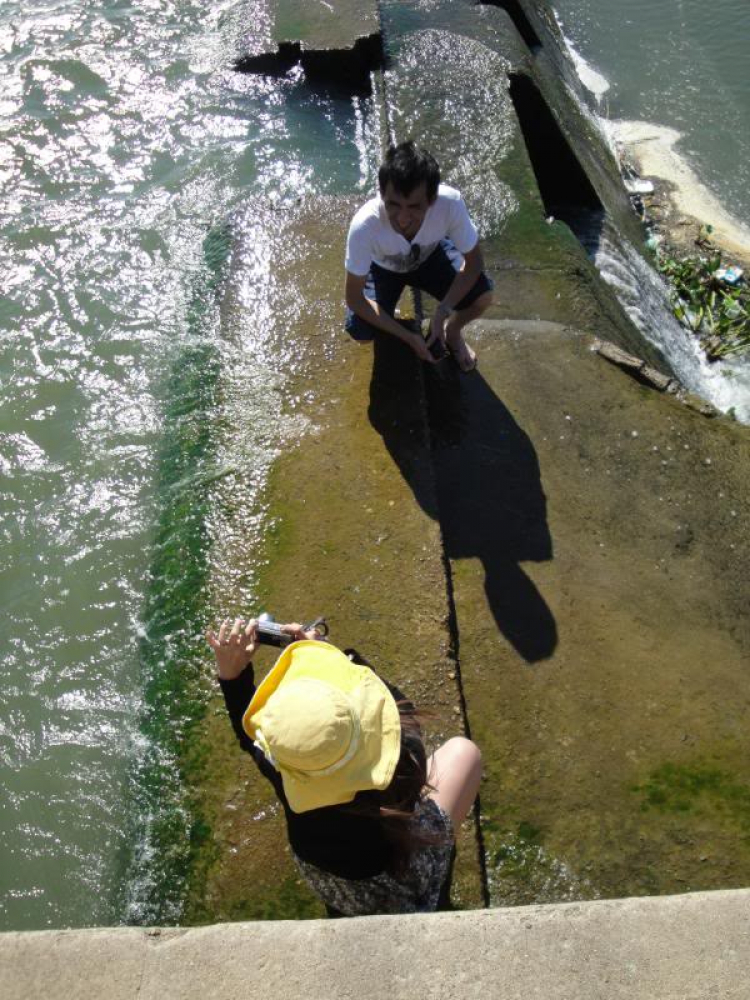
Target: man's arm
(371,312)
(465,279)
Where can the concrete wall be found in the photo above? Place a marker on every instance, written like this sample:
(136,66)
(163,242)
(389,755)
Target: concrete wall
(692,947)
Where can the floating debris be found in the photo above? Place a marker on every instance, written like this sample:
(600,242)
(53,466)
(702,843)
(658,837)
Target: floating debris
(730,275)
(639,186)
(636,366)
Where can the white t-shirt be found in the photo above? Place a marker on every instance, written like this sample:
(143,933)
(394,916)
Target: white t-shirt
(372,238)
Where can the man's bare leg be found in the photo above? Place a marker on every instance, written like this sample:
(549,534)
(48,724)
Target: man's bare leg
(465,357)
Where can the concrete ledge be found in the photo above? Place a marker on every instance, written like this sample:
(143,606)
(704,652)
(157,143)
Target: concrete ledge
(335,42)
(687,947)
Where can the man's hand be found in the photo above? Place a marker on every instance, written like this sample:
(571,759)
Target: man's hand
(437,325)
(372,313)
(419,345)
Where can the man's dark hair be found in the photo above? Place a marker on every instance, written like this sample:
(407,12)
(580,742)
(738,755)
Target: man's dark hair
(406,166)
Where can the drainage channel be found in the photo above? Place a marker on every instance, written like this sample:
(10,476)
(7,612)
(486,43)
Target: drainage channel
(566,192)
(518,16)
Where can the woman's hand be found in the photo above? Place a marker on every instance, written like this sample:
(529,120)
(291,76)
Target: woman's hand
(296,630)
(233,649)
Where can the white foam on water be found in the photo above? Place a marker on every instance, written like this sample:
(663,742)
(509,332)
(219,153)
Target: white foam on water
(594,81)
(641,291)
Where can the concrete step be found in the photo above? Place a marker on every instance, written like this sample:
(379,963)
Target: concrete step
(335,42)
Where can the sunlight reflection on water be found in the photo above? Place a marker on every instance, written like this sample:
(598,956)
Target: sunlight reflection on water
(125,136)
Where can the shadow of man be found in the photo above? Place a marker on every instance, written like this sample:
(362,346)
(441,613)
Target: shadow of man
(480,481)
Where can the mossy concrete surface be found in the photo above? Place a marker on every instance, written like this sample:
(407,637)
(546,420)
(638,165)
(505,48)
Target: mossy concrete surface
(598,537)
(595,531)
(691,947)
(345,540)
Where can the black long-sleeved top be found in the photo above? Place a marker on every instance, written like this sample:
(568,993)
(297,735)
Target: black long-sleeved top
(331,838)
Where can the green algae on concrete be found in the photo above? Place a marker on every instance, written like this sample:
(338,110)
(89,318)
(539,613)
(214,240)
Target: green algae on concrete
(171,832)
(606,681)
(348,541)
(244,871)
(561,615)
(682,788)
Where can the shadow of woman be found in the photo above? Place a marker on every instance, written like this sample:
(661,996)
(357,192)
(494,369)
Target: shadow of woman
(480,481)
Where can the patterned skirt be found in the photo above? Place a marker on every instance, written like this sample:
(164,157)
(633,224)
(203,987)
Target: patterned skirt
(418,891)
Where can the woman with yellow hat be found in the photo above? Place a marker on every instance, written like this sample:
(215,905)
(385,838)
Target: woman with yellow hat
(370,817)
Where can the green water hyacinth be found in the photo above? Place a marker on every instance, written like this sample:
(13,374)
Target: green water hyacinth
(716,312)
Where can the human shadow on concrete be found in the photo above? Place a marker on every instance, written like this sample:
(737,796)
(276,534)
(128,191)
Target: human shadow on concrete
(480,480)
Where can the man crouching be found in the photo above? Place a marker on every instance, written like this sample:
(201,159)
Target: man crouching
(418,233)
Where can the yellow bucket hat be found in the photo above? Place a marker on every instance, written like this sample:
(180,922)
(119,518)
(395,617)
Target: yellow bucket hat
(329,726)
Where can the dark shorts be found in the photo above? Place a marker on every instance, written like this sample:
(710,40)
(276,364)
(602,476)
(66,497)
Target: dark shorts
(434,276)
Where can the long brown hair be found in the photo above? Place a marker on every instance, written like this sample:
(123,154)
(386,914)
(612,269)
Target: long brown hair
(395,805)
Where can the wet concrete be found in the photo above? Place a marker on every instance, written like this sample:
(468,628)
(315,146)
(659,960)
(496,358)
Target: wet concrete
(345,540)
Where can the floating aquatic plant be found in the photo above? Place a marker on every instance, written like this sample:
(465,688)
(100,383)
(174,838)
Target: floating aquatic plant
(715,309)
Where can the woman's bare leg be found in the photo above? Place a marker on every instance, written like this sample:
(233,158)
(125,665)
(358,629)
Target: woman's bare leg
(455,771)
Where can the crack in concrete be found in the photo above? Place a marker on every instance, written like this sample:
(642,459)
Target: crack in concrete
(454,635)
(453,629)
(454,655)
(141,974)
